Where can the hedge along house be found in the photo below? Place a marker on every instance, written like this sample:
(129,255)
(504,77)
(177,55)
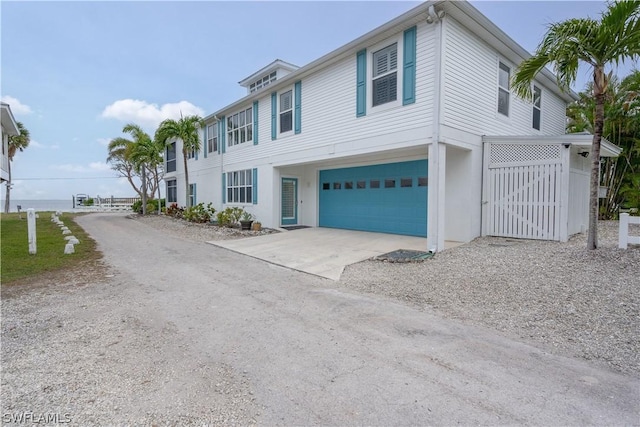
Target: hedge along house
(389,134)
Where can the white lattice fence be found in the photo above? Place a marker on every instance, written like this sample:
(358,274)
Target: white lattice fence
(524,185)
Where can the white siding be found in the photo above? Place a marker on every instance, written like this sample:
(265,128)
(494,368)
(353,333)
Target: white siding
(471,91)
(329,122)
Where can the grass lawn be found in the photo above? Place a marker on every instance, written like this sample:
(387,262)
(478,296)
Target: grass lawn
(15,261)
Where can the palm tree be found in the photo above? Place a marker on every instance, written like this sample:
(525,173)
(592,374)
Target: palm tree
(185,129)
(16,143)
(127,157)
(600,44)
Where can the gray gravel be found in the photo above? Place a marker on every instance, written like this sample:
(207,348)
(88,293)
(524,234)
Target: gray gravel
(573,301)
(96,344)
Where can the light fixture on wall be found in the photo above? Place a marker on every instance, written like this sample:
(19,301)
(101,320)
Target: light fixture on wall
(583,154)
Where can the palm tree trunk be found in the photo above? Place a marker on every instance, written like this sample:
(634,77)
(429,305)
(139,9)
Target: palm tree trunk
(144,190)
(598,94)
(8,193)
(158,187)
(186,176)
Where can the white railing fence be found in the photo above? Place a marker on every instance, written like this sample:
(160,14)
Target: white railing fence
(624,238)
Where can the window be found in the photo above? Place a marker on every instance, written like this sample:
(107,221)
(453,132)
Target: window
(326,186)
(374,183)
(192,194)
(171,157)
(385,76)
(172,191)
(361,184)
(337,186)
(240,127)
(191,154)
(286,111)
(240,186)
(263,82)
(423,181)
(406,182)
(212,138)
(348,185)
(389,183)
(504,77)
(537,104)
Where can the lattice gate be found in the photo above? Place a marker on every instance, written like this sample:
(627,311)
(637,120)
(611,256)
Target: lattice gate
(523,187)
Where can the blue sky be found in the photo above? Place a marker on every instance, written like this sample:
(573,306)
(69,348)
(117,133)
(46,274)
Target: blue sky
(76,72)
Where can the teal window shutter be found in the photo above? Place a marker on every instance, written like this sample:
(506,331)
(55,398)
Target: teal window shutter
(297,89)
(196,156)
(255,186)
(195,199)
(205,147)
(255,122)
(361,83)
(274,117)
(224,188)
(409,72)
(223,127)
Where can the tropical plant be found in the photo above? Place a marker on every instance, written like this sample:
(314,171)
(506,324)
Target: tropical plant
(174,210)
(186,130)
(120,152)
(16,143)
(199,213)
(145,155)
(621,127)
(599,44)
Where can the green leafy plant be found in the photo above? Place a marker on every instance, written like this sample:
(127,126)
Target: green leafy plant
(88,202)
(223,219)
(246,216)
(199,213)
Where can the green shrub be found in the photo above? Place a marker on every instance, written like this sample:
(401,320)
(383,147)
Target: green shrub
(137,206)
(199,213)
(88,202)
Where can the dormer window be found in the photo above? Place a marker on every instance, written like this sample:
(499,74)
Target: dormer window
(263,82)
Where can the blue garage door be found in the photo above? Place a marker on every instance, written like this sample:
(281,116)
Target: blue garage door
(388,198)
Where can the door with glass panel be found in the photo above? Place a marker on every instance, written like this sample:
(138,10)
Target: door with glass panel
(289,198)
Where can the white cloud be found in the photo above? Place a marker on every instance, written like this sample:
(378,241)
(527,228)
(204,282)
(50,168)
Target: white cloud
(35,144)
(75,168)
(148,115)
(104,141)
(99,166)
(17,107)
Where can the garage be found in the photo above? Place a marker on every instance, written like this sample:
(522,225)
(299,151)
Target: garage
(387,198)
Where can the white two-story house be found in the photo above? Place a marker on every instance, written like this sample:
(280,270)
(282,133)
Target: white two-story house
(9,127)
(410,129)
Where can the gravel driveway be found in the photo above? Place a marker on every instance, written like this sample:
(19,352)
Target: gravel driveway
(171,330)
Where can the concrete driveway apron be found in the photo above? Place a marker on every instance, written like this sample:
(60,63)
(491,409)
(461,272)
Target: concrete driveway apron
(324,252)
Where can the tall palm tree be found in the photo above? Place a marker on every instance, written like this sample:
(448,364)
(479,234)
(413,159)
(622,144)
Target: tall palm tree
(16,143)
(185,129)
(144,155)
(599,44)
(121,157)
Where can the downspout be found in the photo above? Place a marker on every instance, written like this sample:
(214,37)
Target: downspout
(433,230)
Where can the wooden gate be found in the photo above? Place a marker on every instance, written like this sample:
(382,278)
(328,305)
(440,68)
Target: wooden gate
(524,186)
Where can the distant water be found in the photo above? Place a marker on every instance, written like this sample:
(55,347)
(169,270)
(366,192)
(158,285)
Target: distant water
(39,205)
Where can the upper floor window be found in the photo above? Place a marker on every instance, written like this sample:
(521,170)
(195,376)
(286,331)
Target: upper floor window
(264,81)
(385,75)
(504,91)
(240,127)
(171,157)
(286,111)
(191,154)
(212,138)
(537,105)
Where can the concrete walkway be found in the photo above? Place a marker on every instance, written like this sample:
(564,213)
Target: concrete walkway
(324,252)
